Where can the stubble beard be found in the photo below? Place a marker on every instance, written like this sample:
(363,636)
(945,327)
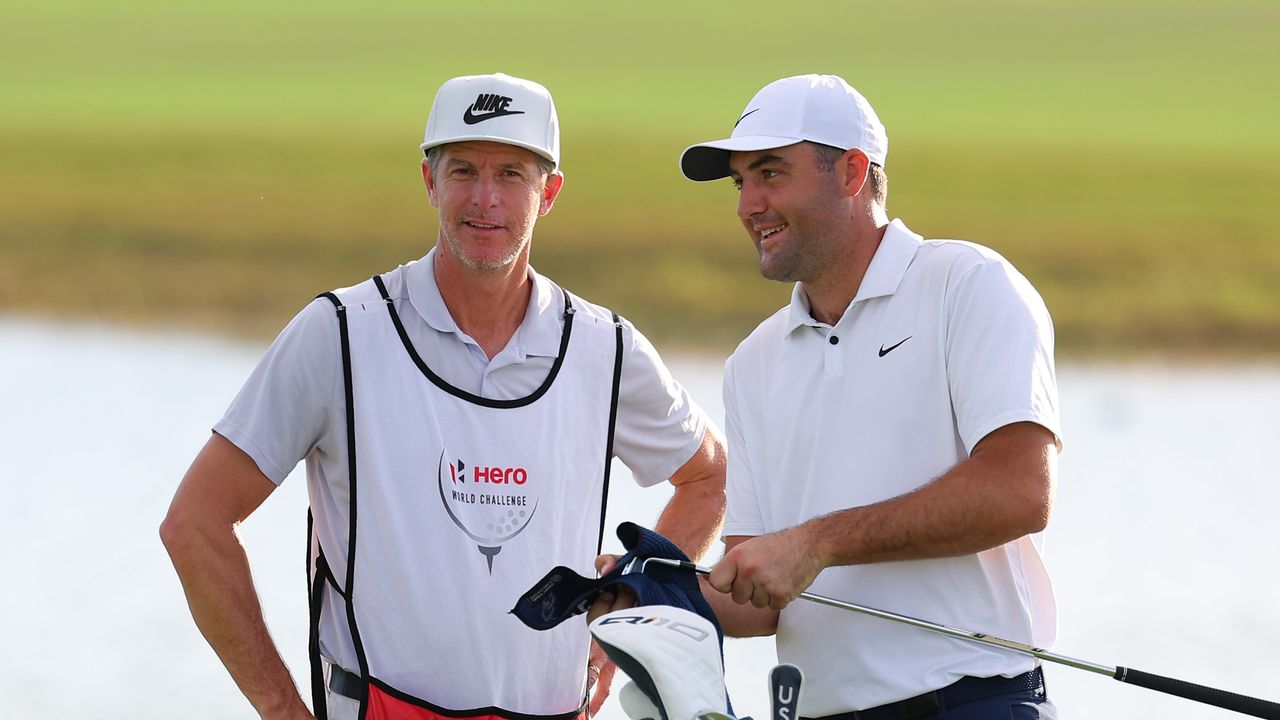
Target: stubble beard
(809,251)
(797,261)
(457,248)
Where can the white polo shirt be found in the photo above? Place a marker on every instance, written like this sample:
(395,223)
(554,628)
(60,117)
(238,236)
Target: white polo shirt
(944,343)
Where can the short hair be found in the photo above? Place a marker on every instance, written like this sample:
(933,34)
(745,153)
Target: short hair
(827,155)
(434,152)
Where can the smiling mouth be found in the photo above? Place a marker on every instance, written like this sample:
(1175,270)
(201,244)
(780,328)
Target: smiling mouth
(479,225)
(766,233)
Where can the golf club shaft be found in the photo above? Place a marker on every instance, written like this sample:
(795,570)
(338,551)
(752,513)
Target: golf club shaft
(1190,691)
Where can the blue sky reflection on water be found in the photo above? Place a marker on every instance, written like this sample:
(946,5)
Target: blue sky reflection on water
(1162,546)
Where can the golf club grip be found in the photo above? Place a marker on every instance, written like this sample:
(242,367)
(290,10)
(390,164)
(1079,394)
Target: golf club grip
(1200,693)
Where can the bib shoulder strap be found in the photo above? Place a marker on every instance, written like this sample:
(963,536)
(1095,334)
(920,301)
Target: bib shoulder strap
(349,582)
(613,423)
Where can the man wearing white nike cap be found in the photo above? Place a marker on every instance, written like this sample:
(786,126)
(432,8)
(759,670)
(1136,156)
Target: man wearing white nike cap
(457,415)
(893,432)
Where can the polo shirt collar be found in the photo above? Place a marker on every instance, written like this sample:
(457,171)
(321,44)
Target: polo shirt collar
(539,332)
(884,275)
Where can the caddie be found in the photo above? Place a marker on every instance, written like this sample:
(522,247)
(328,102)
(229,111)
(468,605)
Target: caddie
(457,416)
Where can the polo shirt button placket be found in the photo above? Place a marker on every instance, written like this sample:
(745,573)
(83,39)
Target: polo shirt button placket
(833,357)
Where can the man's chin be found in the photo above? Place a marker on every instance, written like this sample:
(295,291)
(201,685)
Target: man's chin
(488,263)
(484,261)
(776,271)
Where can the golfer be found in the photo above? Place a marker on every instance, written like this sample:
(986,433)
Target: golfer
(457,415)
(893,432)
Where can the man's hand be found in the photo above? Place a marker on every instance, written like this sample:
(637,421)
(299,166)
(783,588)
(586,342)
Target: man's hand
(600,673)
(610,600)
(768,571)
(600,669)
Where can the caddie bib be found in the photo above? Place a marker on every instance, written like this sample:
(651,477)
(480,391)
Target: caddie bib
(457,503)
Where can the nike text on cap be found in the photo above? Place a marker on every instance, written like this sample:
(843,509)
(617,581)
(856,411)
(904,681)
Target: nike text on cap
(819,108)
(497,108)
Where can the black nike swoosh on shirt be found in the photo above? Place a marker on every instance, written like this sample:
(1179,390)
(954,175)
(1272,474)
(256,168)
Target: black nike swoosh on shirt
(885,351)
(744,116)
(470,119)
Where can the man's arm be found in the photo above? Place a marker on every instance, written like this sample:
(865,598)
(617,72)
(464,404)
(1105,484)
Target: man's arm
(1003,491)
(737,620)
(692,520)
(695,513)
(222,487)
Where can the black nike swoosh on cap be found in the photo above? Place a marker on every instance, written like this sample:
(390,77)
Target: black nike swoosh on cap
(470,119)
(744,116)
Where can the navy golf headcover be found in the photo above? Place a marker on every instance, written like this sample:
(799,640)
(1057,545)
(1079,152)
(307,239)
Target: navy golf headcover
(563,593)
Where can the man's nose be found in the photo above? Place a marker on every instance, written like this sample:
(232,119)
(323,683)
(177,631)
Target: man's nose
(485,192)
(750,202)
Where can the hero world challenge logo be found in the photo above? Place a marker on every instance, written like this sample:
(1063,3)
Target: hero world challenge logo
(489,503)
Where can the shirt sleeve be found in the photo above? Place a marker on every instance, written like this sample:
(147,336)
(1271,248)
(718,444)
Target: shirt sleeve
(999,345)
(283,410)
(659,426)
(742,516)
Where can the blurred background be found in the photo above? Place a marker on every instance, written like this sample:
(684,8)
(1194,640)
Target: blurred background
(177,180)
(216,165)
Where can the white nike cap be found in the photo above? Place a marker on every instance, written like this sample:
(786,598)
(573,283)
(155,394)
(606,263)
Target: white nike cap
(497,108)
(819,108)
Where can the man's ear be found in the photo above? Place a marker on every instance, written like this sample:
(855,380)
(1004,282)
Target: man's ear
(430,181)
(853,167)
(550,191)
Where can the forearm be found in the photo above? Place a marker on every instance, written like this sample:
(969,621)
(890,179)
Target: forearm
(694,514)
(693,517)
(1002,492)
(979,504)
(215,575)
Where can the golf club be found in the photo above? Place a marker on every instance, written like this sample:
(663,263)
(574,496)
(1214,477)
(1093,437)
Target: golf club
(1171,686)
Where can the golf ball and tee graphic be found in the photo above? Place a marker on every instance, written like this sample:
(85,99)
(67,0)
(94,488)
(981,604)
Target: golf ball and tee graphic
(481,503)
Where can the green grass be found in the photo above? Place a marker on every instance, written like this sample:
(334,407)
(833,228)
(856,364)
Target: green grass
(216,166)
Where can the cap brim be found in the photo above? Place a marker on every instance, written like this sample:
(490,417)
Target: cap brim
(710,160)
(540,152)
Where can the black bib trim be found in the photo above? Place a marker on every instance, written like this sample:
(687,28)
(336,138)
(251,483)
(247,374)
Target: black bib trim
(318,570)
(613,424)
(463,394)
(319,704)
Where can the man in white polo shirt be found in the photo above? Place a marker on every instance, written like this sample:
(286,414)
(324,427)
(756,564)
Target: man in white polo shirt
(457,416)
(893,432)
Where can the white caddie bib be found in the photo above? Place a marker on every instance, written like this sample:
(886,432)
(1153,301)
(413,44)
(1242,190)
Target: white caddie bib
(457,505)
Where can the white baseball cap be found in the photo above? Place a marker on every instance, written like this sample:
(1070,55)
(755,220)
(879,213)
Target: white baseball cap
(497,108)
(819,108)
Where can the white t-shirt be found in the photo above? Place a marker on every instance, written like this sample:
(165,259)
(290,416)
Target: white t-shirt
(944,343)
